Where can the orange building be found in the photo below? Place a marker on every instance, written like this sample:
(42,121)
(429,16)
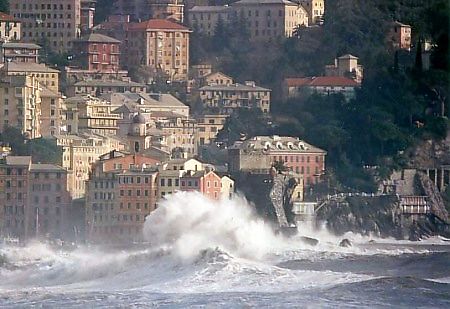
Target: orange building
(121,192)
(160,44)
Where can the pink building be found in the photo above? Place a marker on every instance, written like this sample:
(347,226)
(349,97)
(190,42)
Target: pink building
(208,183)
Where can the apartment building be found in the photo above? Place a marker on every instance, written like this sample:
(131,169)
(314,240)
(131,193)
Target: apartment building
(400,36)
(208,127)
(97,87)
(34,199)
(19,52)
(20,104)
(90,114)
(226,98)
(97,53)
(52,112)
(56,22)
(204,19)
(346,66)
(261,152)
(160,44)
(266,19)
(10,28)
(181,136)
(79,152)
(315,10)
(46,76)
(150,9)
(148,103)
(323,85)
(121,192)
(206,182)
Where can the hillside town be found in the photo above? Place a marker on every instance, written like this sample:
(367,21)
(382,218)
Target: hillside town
(133,118)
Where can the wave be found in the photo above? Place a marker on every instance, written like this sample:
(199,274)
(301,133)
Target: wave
(196,246)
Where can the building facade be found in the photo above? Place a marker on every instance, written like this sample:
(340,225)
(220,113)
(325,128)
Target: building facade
(21,104)
(323,85)
(86,114)
(261,152)
(400,36)
(161,45)
(266,19)
(20,52)
(226,98)
(97,53)
(121,192)
(34,199)
(346,66)
(57,23)
(208,127)
(10,28)
(79,152)
(315,10)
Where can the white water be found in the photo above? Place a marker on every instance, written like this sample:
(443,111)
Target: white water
(196,246)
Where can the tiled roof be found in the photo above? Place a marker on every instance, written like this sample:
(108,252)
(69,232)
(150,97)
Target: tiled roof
(319,81)
(234,87)
(6,17)
(21,45)
(276,144)
(98,38)
(29,67)
(108,83)
(157,24)
(46,167)
(348,56)
(18,160)
(210,8)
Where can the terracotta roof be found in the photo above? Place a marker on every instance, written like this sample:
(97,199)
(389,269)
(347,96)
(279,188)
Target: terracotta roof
(338,81)
(157,24)
(6,17)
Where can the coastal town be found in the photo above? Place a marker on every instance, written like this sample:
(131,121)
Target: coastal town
(112,115)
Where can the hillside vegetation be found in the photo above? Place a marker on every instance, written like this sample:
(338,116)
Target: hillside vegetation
(398,104)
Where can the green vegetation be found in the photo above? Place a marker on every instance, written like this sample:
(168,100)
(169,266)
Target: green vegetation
(4,6)
(398,105)
(42,150)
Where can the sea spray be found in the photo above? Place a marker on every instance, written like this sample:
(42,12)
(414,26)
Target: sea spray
(188,222)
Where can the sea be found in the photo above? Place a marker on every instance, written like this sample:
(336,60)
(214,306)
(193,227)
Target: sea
(204,254)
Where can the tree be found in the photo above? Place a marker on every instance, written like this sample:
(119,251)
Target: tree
(4,6)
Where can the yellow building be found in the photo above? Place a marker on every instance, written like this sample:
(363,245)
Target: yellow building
(226,98)
(181,136)
(46,76)
(10,28)
(208,127)
(20,104)
(217,78)
(315,10)
(266,19)
(161,45)
(59,22)
(90,114)
(79,152)
(52,106)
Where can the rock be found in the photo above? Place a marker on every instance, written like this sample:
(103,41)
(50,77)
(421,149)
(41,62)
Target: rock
(372,241)
(310,241)
(345,243)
